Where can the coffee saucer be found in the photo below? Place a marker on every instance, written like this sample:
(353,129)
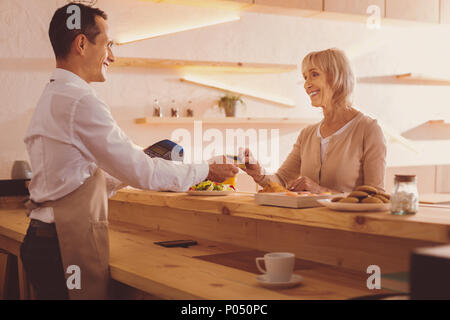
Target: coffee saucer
(263,280)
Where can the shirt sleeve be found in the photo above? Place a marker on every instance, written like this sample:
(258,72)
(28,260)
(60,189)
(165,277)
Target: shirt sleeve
(289,170)
(113,151)
(374,156)
(113,184)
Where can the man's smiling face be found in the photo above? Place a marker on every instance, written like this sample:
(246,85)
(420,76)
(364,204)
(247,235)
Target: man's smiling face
(99,54)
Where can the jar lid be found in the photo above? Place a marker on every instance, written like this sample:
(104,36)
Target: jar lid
(405,178)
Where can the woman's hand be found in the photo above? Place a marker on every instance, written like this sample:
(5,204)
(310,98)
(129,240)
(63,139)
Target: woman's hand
(252,167)
(306,184)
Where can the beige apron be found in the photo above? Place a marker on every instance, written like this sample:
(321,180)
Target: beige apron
(81,219)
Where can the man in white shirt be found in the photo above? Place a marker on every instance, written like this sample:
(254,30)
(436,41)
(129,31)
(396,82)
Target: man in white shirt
(71,135)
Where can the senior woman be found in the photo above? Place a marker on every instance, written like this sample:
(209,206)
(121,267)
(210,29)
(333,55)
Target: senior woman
(345,150)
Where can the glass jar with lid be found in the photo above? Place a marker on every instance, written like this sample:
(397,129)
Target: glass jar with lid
(405,198)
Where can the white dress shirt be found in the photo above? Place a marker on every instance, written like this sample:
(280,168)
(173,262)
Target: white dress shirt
(72,132)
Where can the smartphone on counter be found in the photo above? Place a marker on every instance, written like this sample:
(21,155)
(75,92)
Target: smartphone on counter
(177,243)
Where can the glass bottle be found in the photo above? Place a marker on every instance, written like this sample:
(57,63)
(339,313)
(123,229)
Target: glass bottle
(405,198)
(157,112)
(189,110)
(175,113)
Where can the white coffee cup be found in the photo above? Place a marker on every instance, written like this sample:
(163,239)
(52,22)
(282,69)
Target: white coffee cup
(279,266)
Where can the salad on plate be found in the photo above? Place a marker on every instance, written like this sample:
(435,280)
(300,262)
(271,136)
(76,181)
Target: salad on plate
(209,185)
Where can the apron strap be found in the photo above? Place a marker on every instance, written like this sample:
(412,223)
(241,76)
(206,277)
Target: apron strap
(30,205)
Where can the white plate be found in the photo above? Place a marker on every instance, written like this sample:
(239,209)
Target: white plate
(264,281)
(210,193)
(339,206)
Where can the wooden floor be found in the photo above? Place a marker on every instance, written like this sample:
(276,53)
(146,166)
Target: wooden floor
(209,270)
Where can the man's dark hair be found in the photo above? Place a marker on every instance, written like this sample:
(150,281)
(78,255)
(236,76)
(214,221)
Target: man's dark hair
(62,37)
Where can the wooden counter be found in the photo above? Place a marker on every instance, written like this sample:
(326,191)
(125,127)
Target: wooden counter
(333,249)
(344,239)
(210,270)
(430,224)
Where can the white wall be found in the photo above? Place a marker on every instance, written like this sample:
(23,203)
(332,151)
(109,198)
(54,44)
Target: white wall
(25,67)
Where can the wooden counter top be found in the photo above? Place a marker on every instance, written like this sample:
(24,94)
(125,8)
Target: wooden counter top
(352,240)
(429,224)
(210,270)
(333,249)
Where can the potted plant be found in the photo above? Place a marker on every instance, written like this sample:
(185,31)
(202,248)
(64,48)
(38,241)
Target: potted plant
(228,103)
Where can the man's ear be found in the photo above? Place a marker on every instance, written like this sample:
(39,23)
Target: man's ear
(80,43)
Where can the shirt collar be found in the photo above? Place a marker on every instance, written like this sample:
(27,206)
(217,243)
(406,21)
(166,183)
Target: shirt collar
(70,77)
(318,129)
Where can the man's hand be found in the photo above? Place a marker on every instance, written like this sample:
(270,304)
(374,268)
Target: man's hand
(219,172)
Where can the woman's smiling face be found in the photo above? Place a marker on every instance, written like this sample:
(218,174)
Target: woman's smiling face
(317,87)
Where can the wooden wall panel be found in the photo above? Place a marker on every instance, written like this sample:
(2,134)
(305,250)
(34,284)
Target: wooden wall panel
(298,4)
(353,6)
(417,10)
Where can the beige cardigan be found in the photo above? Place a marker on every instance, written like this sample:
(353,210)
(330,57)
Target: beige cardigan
(355,157)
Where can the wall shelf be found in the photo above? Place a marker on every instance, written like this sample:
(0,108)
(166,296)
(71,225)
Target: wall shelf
(430,130)
(230,120)
(310,9)
(245,92)
(216,4)
(215,66)
(406,78)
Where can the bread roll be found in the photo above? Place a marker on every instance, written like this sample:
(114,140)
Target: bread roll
(371,200)
(337,199)
(382,198)
(368,189)
(358,194)
(350,200)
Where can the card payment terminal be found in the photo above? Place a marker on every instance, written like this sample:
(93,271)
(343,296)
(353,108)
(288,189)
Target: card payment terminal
(166,149)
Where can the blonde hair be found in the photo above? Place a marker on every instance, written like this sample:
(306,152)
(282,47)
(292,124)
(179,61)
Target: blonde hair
(338,71)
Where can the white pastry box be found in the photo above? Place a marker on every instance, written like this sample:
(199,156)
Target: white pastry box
(282,199)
